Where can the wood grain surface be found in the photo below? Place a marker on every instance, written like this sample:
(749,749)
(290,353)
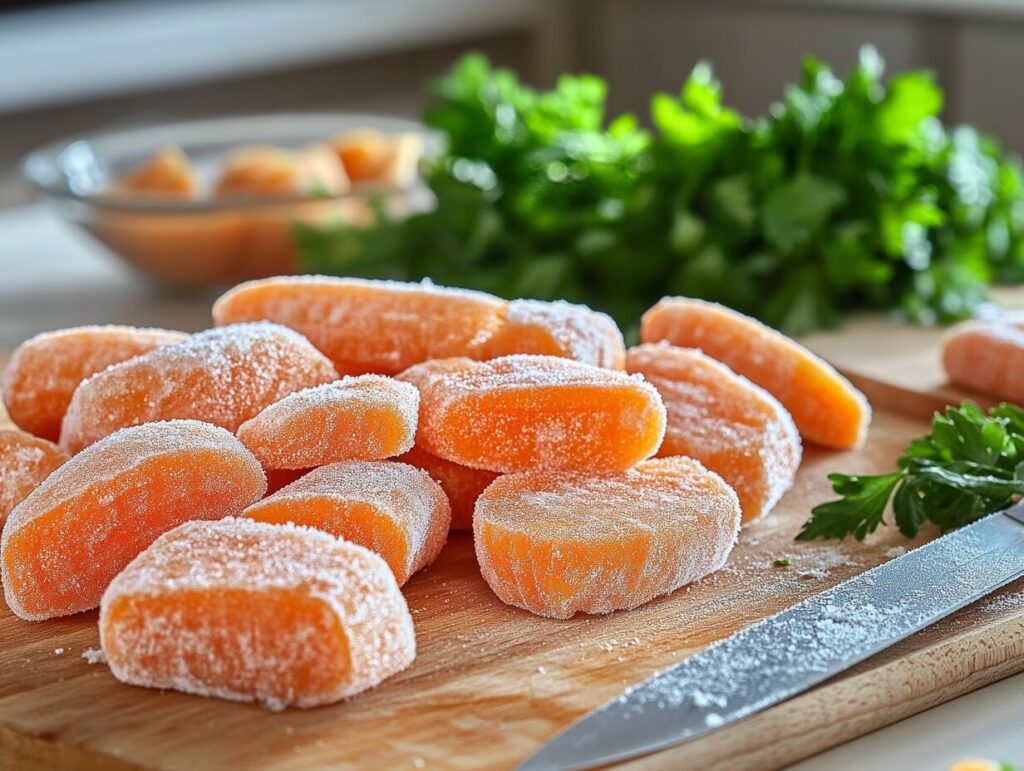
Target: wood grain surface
(491,683)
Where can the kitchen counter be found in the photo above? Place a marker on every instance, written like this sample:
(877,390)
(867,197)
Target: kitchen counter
(53,276)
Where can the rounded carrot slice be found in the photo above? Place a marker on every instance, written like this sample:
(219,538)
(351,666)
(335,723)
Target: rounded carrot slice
(369,417)
(462,484)
(67,540)
(25,461)
(394,509)
(986,356)
(558,544)
(730,425)
(557,329)
(241,610)
(523,412)
(825,406)
(364,154)
(368,326)
(222,376)
(45,370)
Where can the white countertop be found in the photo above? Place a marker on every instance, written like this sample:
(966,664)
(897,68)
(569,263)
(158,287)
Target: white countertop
(53,276)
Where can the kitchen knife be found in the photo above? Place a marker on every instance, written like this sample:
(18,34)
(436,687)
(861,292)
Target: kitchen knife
(796,649)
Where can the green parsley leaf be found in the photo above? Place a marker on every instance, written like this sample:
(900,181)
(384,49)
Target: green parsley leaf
(970,465)
(848,194)
(858,513)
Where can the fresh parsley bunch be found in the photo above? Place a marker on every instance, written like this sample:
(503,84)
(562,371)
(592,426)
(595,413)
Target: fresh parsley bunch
(971,464)
(848,194)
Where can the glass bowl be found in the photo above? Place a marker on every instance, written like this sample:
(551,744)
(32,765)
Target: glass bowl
(200,241)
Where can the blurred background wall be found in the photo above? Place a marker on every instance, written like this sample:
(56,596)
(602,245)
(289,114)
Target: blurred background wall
(69,67)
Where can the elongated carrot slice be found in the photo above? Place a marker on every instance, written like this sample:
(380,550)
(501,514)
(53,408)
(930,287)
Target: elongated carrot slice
(167,173)
(283,615)
(825,406)
(558,544)
(393,509)
(45,370)
(67,540)
(222,376)
(523,412)
(986,356)
(25,461)
(733,427)
(368,326)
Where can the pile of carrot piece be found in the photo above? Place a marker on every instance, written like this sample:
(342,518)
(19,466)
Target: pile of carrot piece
(378,416)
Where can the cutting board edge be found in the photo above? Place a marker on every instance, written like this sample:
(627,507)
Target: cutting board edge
(21,747)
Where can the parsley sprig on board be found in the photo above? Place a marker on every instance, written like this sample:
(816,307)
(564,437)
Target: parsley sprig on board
(971,464)
(849,194)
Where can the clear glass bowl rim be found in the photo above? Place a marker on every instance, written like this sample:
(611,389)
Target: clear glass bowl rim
(42,167)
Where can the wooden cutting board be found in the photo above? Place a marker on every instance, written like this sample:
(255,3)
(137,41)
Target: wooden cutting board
(491,683)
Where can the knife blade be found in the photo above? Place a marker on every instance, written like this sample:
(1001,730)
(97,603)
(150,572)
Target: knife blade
(796,649)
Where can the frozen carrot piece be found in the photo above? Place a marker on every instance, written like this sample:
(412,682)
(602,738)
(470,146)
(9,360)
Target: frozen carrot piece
(523,412)
(733,427)
(45,370)
(461,484)
(273,171)
(986,356)
(393,509)
(557,544)
(825,406)
(222,376)
(368,326)
(368,417)
(67,540)
(167,173)
(370,156)
(25,461)
(241,610)
(556,329)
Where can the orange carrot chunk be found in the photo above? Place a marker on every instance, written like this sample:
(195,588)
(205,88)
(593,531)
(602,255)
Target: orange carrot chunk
(67,540)
(272,171)
(986,356)
(45,370)
(368,417)
(241,610)
(393,509)
(733,427)
(556,329)
(222,376)
(25,461)
(524,412)
(368,326)
(167,173)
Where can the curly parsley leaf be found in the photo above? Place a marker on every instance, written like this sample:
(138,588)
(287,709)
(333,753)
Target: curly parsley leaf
(971,464)
(858,513)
